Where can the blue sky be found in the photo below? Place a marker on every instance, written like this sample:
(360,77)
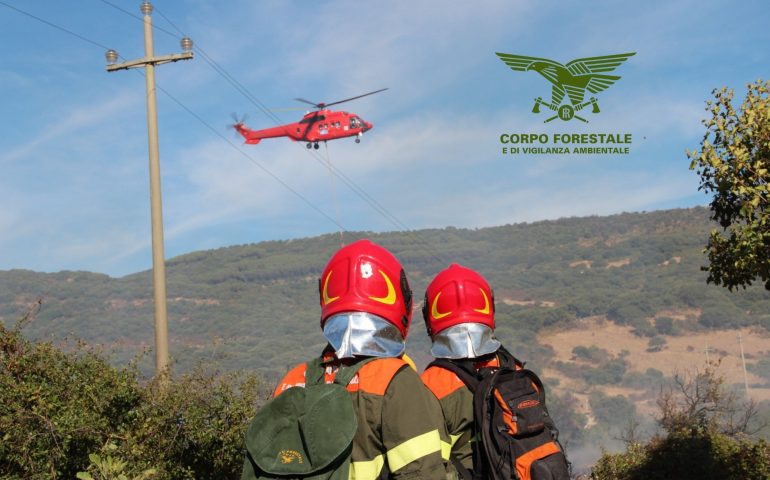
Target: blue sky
(73,153)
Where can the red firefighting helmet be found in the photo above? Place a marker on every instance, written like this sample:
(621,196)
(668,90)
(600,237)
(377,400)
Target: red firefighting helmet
(365,277)
(458,295)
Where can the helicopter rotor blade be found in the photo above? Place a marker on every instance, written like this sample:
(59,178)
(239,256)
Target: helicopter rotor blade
(288,109)
(317,105)
(354,98)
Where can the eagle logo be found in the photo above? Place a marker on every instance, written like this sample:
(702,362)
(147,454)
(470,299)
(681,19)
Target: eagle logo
(572,79)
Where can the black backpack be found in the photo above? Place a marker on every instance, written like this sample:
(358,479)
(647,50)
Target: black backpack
(516,437)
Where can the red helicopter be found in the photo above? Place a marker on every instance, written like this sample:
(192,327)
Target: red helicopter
(316,126)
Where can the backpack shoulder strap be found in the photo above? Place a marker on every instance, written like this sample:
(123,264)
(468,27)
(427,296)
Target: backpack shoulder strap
(314,372)
(507,360)
(315,369)
(346,372)
(466,370)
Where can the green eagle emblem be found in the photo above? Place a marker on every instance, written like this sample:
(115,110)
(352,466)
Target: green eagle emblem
(572,79)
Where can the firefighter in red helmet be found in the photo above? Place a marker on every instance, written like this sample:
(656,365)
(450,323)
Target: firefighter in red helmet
(459,313)
(366,309)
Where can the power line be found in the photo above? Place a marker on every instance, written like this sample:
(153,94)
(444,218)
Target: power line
(254,100)
(247,156)
(354,187)
(335,171)
(58,27)
(187,109)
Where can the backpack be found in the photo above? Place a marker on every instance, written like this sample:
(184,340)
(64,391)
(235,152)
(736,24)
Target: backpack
(305,432)
(517,438)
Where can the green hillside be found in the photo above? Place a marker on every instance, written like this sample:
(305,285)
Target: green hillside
(256,306)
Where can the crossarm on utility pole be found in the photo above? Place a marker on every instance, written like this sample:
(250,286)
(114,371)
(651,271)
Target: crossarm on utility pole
(175,57)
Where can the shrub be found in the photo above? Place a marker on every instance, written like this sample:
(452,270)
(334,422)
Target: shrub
(64,414)
(56,407)
(656,344)
(665,326)
(193,427)
(651,378)
(705,438)
(642,327)
(592,354)
(608,373)
(611,410)
(695,455)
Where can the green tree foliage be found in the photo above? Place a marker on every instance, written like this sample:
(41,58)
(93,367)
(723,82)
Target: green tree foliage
(734,165)
(67,414)
(704,438)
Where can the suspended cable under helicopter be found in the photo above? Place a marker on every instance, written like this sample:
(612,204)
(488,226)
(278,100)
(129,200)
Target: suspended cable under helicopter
(354,187)
(334,193)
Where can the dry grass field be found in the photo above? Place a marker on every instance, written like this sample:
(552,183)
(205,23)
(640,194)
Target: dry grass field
(685,353)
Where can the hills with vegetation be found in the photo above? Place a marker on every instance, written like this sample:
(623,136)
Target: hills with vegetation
(594,304)
(256,306)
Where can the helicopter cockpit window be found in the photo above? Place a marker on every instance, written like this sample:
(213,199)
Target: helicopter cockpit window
(354,122)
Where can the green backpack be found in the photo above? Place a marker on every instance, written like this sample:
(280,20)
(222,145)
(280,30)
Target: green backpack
(305,432)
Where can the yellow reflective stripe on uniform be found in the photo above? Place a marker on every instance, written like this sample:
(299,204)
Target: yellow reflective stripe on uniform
(413,449)
(366,470)
(446,447)
(446,450)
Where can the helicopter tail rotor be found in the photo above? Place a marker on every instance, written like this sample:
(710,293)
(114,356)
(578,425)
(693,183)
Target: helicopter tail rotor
(238,125)
(237,120)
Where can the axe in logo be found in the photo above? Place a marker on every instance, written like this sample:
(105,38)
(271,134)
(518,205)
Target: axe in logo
(566,112)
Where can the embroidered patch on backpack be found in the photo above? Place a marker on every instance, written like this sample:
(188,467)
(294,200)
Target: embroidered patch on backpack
(290,456)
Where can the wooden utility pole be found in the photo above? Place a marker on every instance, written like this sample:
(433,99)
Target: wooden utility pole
(158,258)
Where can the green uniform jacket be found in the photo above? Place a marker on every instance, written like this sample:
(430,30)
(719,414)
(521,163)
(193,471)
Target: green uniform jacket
(401,433)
